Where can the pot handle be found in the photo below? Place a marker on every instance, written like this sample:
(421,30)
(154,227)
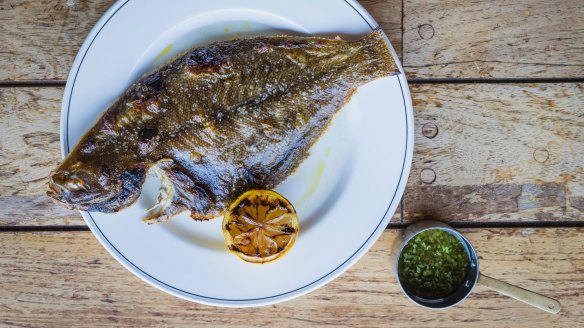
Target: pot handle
(534,299)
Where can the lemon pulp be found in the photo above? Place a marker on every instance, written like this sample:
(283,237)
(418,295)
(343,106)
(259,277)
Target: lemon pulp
(260,226)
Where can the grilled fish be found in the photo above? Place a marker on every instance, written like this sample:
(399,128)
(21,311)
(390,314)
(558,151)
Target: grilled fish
(217,121)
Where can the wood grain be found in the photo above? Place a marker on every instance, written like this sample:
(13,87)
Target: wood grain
(65,279)
(501,39)
(500,153)
(525,39)
(483,153)
(497,152)
(29,150)
(29,145)
(40,39)
(388,14)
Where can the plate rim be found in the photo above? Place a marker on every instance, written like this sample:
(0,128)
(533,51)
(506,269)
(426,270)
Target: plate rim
(334,273)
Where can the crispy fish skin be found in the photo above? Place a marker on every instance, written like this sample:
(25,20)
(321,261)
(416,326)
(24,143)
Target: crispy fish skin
(216,122)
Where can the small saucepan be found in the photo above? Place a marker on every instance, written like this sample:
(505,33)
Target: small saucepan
(472,278)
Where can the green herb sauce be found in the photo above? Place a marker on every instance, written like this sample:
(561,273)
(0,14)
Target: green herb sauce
(433,264)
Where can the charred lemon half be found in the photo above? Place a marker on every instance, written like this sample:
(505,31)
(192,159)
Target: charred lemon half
(260,226)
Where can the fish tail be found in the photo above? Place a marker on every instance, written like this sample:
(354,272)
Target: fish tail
(380,57)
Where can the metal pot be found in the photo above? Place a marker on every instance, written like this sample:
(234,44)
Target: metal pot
(473,278)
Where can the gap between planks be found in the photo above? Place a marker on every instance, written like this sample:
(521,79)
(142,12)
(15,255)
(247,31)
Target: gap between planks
(61,83)
(390,226)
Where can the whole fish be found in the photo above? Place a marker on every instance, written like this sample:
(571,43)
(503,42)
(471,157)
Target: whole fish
(217,121)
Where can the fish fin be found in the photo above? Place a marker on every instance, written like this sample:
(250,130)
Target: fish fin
(178,194)
(165,207)
(199,217)
(376,46)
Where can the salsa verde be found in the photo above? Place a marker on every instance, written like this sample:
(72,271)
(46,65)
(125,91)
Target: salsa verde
(433,264)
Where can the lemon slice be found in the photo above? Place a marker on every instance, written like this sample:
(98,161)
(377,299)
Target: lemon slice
(260,226)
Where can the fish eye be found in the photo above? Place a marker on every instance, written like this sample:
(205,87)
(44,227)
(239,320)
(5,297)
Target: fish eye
(75,183)
(77,165)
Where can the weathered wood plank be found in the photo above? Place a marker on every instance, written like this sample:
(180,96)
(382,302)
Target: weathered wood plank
(388,14)
(40,39)
(502,39)
(35,211)
(500,152)
(65,279)
(29,150)
(525,39)
(29,144)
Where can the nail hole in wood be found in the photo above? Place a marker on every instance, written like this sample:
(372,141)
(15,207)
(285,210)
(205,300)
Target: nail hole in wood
(426,31)
(430,130)
(541,155)
(428,176)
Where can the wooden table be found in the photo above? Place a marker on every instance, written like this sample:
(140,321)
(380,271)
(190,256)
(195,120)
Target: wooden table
(499,103)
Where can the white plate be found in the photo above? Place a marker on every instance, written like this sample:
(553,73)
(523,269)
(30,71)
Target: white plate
(345,192)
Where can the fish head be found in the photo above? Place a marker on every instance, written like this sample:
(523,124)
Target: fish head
(97,181)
